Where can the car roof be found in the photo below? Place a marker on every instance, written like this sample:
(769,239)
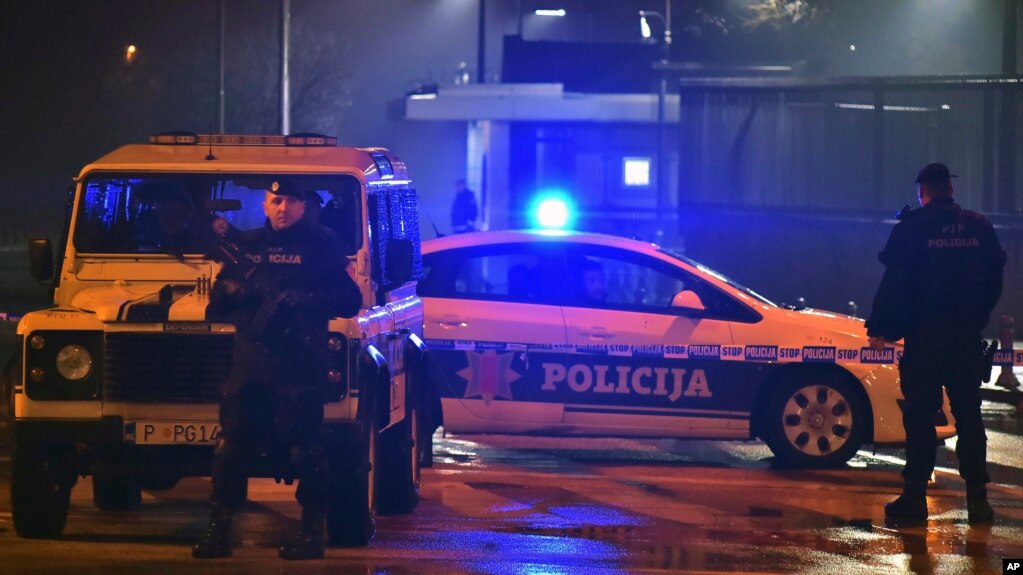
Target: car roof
(532,236)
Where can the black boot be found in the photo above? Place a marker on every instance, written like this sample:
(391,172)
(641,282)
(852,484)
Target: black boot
(911,506)
(217,541)
(978,510)
(308,544)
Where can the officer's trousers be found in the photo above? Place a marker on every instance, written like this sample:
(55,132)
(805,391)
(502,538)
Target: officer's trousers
(926,367)
(287,425)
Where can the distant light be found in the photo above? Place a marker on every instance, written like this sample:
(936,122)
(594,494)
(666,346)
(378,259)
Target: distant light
(422,96)
(644,26)
(886,107)
(129,53)
(636,171)
(552,210)
(946,107)
(852,47)
(558,12)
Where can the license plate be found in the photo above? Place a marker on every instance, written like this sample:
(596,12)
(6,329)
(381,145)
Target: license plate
(170,433)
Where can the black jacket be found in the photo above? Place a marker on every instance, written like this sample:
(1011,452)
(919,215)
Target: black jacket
(464,212)
(943,275)
(306,258)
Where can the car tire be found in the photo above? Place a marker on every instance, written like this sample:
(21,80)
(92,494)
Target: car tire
(399,477)
(117,491)
(815,420)
(352,490)
(41,482)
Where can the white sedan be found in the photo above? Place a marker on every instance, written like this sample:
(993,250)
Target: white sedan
(565,333)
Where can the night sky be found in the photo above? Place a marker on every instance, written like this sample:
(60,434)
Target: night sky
(69,96)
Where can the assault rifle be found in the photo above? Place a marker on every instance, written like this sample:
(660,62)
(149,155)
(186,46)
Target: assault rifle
(257,280)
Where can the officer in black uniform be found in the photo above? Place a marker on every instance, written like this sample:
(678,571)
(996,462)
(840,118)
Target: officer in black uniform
(274,397)
(942,279)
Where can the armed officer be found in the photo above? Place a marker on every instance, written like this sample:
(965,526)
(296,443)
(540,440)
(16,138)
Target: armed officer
(274,397)
(942,279)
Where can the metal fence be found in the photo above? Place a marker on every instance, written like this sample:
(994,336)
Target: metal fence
(848,144)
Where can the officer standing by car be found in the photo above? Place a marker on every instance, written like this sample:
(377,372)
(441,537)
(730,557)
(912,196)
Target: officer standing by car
(942,279)
(275,392)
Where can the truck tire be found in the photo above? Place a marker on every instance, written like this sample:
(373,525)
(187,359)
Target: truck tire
(816,420)
(12,371)
(352,490)
(117,491)
(41,482)
(399,475)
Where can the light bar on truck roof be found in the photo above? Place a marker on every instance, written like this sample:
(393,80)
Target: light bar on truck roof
(189,139)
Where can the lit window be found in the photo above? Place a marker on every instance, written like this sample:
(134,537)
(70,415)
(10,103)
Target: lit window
(636,171)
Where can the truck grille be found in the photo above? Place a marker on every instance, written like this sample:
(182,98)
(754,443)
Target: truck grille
(165,368)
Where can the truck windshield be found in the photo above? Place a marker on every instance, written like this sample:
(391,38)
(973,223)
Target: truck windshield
(172,213)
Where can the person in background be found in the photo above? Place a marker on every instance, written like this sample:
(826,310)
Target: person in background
(594,282)
(464,210)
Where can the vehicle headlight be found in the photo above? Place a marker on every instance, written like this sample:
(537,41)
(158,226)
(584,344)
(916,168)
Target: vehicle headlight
(74,362)
(63,365)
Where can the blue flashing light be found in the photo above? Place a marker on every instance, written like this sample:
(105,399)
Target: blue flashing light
(552,210)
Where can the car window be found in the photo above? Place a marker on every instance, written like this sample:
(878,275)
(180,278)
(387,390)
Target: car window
(610,278)
(506,272)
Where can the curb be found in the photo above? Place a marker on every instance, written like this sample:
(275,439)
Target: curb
(1012,397)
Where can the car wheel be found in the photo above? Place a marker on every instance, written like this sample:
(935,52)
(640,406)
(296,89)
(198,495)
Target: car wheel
(116,492)
(815,420)
(41,482)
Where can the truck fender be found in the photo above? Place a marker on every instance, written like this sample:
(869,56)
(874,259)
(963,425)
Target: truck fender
(432,415)
(374,383)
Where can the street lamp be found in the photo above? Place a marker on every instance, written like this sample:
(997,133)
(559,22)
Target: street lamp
(644,28)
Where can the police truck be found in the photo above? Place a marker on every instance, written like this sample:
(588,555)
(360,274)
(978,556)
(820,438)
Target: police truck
(119,379)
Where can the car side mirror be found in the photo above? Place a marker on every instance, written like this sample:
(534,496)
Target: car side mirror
(40,259)
(687,299)
(399,260)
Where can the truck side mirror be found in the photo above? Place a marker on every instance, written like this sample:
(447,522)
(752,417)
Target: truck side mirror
(40,259)
(687,299)
(399,260)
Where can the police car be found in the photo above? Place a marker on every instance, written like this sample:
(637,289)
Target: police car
(567,333)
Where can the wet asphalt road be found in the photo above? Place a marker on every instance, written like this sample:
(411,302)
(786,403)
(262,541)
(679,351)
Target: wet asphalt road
(527,505)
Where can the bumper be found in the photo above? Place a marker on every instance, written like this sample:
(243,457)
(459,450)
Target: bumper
(105,430)
(110,430)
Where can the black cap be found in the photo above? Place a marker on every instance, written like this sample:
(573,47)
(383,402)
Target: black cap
(286,188)
(313,197)
(934,174)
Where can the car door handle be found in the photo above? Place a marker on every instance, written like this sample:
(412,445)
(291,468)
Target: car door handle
(597,333)
(451,322)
